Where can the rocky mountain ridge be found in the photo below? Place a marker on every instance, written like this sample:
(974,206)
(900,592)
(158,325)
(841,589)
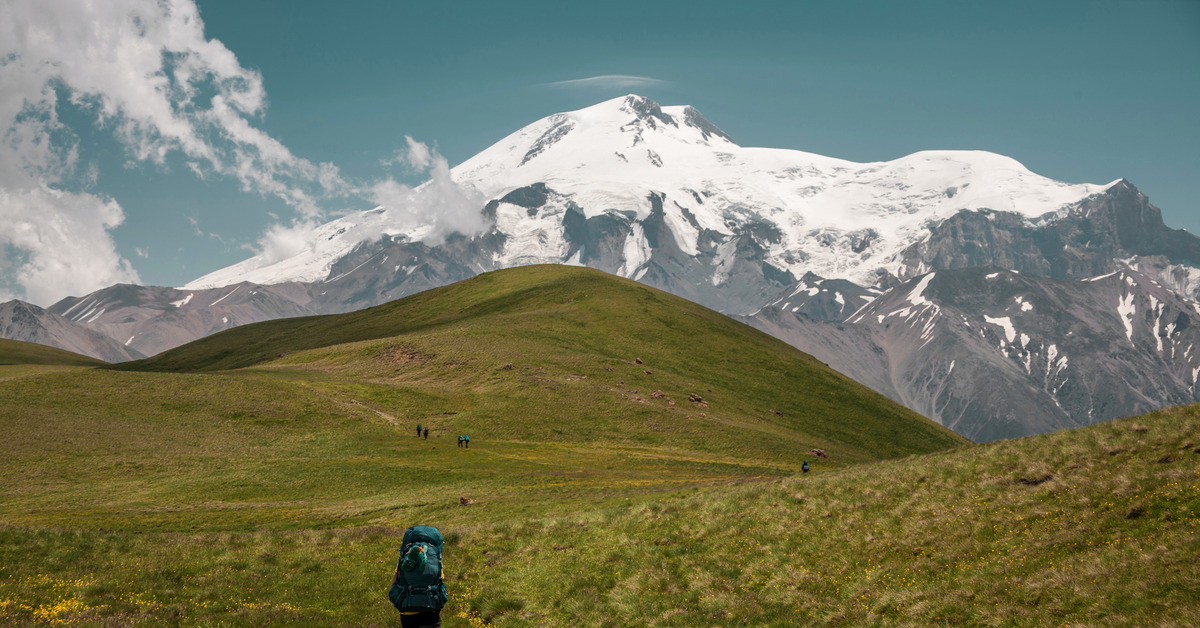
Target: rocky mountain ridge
(994,353)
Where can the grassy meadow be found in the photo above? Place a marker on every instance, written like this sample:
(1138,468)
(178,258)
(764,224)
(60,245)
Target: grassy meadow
(264,476)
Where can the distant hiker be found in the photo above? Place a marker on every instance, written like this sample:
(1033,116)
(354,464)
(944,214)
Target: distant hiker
(427,433)
(418,590)
(418,430)
(804,467)
(460,441)
(466,441)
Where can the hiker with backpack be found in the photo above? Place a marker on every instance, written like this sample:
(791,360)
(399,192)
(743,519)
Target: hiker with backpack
(417,590)
(460,440)
(426,433)
(466,441)
(418,430)
(804,467)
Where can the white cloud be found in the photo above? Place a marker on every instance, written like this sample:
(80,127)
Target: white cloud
(435,209)
(64,241)
(145,70)
(281,242)
(609,81)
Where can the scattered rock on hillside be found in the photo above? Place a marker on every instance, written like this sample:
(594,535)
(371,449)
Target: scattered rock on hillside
(637,360)
(465,501)
(696,398)
(658,394)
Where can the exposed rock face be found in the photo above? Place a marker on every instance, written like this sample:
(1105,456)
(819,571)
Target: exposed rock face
(824,299)
(30,323)
(150,319)
(1086,239)
(391,268)
(995,354)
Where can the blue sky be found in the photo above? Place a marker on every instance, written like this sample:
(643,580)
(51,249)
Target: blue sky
(321,94)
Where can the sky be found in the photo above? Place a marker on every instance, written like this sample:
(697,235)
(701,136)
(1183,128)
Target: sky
(154,141)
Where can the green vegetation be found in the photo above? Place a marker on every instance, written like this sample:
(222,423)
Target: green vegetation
(265,475)
(559,353)
(15,352)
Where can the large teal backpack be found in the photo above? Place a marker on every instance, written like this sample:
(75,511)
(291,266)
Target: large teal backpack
(419,586)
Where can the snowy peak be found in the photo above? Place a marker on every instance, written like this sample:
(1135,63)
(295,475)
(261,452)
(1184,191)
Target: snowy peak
(634,162)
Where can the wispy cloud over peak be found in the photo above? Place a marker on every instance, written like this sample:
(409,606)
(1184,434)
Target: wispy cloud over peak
(609,81)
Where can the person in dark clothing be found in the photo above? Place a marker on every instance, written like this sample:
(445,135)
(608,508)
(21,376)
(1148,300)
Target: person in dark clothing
(804,467)
(409,619)
(460,441)
(426,433)
(466,441)
(418,430)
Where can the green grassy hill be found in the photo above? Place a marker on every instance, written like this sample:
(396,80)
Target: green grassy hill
(15,352)
(559,353)
(1092,527)
(264,475)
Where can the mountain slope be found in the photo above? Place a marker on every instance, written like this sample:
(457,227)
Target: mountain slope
(996,354)
(150,319)
(1094,527)
(29,323)
(583,341)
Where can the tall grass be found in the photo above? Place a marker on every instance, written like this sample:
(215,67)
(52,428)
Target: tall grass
(1093,527)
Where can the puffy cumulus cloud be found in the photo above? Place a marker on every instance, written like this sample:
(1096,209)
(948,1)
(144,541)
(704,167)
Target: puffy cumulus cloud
(434,209)
(145,70)
(62,243)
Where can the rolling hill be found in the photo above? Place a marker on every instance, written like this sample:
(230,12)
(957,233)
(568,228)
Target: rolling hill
(525,349)
(264,475)
(16,352)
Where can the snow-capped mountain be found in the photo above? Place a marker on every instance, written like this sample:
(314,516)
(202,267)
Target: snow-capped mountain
(661,194)
(824,253)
